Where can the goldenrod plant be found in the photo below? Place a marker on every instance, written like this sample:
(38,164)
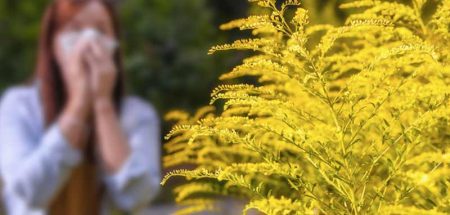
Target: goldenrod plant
(351,119)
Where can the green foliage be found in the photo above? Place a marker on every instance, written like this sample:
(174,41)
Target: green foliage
(350,119)
(165,46)
(19,24)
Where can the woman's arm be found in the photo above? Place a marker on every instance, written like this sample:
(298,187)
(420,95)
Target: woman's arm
(136,182)
(33,166)
(131,159)
(112,144)
(73,119)
(73,123)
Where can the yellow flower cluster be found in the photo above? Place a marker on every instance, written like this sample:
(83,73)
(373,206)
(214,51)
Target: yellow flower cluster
(351,119)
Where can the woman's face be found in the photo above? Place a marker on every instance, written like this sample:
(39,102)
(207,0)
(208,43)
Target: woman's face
(93,18)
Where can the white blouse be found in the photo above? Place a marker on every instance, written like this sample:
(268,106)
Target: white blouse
(35,162)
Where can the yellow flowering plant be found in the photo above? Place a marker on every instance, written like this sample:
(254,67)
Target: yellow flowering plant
(350,119)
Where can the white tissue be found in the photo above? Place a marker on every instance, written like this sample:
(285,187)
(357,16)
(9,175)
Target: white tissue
(69,39)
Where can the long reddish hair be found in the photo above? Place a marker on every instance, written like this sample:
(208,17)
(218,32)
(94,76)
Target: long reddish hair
(82,192)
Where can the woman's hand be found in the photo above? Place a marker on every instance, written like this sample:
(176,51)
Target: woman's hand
(73,120)
(112,143)
(89,76)
(103,72)
(77,81)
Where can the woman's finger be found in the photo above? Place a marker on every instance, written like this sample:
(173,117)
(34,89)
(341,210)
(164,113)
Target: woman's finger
(99,49)
(93,68)
(100,65)
(80,47)
(92,60)
(99,58)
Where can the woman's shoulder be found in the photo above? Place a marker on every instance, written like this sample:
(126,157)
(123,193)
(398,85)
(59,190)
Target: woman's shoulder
(18,96)
(135,108)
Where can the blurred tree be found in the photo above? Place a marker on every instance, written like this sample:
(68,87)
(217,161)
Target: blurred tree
(19,24)
(166,44)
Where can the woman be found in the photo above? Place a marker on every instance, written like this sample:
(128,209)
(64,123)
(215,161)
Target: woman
(71,143)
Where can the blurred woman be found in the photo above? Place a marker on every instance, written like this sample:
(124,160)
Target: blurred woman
(72,142)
